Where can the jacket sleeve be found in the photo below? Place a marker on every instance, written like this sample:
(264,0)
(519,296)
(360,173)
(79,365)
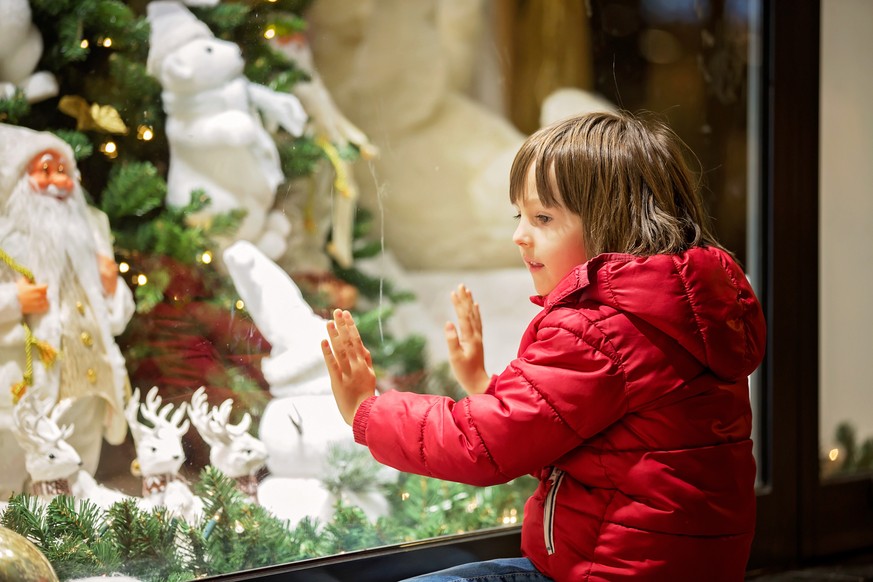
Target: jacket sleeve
(560,391)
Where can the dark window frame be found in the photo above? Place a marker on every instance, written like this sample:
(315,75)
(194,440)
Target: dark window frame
(801,520)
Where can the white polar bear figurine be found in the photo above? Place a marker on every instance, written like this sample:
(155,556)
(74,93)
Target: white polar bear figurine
(217,140)
(301,424)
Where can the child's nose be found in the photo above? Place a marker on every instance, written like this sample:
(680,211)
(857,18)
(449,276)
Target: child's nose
(520,236)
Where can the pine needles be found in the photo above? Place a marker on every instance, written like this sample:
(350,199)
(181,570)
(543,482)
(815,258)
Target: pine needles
(80,539)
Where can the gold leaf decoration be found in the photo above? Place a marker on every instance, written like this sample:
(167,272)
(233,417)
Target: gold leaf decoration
(93,117)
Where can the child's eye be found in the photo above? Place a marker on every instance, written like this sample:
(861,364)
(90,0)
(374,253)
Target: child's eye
(517,216)
(543,219)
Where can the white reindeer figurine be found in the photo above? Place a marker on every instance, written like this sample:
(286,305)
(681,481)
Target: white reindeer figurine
(52,463)
(49,459)
(160,456)
(233,451)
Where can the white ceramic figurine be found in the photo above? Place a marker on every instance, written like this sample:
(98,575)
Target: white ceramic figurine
(218,142)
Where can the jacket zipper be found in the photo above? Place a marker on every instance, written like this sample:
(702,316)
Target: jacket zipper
(555,478)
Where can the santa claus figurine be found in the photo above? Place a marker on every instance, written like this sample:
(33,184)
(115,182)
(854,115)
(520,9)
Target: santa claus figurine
(61,300)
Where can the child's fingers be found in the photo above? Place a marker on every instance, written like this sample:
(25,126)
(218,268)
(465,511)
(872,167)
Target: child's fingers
(333,335)
(333,369)
(452,340)
(354,334)
(340,351)
(472,308)
(345,325)
(352,338)
(342,331)
(460,300)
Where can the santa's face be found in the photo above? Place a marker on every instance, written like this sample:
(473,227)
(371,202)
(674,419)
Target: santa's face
(48,175)
(54,221)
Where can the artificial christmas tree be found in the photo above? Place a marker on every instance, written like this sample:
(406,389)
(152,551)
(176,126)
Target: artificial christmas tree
(191,327)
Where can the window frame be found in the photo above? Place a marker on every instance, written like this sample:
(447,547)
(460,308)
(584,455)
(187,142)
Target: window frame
(801,520)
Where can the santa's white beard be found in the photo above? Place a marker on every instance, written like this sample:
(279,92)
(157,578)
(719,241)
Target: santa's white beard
(57,230)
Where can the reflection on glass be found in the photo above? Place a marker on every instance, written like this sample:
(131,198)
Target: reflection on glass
(845,314)
(363,149)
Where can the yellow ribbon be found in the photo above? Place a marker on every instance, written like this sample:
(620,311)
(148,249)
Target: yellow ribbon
(341,181)
(47,354)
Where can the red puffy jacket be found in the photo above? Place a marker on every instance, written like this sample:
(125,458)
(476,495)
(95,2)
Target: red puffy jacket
(629,400)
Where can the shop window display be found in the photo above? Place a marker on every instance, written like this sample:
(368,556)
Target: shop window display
(216,177)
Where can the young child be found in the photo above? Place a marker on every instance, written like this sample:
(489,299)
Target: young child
(629,398)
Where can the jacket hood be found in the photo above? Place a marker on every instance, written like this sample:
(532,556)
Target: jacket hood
(700,298)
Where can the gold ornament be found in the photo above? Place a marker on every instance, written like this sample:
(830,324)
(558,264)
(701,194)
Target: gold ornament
(21,560)
(97,117)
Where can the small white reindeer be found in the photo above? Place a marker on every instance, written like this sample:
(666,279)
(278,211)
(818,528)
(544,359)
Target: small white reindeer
(160,455)
(233,451)
(49,459)
(53,464)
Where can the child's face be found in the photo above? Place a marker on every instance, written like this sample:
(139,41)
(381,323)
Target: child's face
(551,240)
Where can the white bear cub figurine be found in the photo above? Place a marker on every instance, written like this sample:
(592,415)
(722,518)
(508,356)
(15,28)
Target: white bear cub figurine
(217,140)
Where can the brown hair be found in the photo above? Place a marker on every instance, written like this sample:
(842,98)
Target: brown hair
(625,176)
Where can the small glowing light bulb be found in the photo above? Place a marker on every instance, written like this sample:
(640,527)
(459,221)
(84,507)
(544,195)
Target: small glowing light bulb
(123,267)
(270,33)
(833,454)
(240,304)
(206,258)
(109,149)
(107,42)
(141,279)
(145,133)
(84,44)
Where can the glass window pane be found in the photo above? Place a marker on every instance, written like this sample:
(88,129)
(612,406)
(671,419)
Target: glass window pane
(379,189)
(845,226)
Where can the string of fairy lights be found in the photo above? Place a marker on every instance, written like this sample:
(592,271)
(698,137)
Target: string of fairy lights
(110,149)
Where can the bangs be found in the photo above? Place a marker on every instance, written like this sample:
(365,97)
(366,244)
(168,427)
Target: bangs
(626,177)
(541,151)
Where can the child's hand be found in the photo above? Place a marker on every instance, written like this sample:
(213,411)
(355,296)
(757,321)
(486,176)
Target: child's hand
(350,366)
(466,354)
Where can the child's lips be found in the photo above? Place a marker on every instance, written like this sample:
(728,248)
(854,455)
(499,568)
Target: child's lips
(533,265)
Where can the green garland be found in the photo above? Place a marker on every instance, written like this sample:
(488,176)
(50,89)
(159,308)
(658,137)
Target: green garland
(80,539)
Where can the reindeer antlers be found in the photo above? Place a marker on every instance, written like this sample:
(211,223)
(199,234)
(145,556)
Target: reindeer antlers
(157,415)
(214,424)
(37,419)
